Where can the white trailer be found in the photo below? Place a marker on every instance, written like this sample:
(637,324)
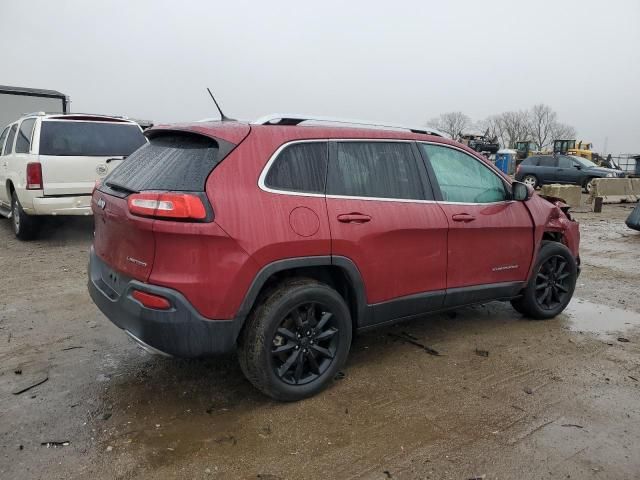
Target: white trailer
(15,102)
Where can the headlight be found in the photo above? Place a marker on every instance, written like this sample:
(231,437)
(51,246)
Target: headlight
(609,175)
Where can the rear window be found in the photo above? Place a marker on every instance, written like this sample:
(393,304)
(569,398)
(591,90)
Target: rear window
(530,161)
(175,162)
(375,169)
(91,139)
(547,162)
(301,167)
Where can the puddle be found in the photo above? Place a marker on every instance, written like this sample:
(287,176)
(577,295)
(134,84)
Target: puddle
(584,316)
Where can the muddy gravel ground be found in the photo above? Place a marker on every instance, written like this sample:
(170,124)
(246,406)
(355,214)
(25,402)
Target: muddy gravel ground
(553,399)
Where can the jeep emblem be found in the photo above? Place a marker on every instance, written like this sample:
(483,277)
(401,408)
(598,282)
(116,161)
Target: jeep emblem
(101,203)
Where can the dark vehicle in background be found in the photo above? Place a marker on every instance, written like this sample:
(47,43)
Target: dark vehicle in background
(543,169)
(481,143)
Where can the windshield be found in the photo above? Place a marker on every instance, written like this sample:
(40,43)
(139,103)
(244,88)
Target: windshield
(89,139)
(584,162)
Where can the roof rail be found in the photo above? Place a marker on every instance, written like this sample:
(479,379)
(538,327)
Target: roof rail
(296,119)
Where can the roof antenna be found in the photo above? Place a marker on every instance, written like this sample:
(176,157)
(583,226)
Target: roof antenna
(223,117)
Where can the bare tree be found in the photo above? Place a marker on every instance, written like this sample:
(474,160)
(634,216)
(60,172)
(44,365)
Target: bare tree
(515,127)
(539,125)
(493,128)
(543,121)
(509,127)
(451,123)
(562,131)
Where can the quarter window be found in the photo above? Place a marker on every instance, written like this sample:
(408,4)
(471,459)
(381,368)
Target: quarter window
(12,134)
(463,178)
(23,142)
(301,167)
(3,137)
(375,169)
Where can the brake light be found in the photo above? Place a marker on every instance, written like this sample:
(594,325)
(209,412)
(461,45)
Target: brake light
(167,205)
(518,169)
(34,176)
(150,300)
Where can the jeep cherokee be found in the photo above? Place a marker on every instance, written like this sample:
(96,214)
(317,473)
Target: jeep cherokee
(283,237)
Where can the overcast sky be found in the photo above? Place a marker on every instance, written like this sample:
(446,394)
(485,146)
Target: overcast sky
(398,61)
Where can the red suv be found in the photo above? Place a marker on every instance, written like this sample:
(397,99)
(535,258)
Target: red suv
(282,239)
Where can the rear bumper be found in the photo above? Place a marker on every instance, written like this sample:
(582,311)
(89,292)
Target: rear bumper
(180,331)
(80,205)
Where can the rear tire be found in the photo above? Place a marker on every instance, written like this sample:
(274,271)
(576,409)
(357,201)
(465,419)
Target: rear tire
(25,227)
(552,283)
(531,180)
(295,340)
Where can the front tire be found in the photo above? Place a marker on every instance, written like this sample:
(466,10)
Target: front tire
(588,185)
(295,340)
(552,283)
(530,180)
(25,227)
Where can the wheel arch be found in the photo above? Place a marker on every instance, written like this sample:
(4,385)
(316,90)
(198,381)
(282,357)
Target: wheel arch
(10,188)
(338,272)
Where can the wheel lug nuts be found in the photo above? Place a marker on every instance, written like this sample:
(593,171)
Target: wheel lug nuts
(297,347)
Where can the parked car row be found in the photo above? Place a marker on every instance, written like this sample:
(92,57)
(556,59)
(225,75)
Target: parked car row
(49,164)
(281,240)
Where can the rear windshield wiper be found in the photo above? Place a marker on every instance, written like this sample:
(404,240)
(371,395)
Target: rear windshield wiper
(109,160)
(120,188)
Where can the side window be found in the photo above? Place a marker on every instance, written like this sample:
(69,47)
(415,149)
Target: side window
(565,162)
(463,178)
(9,145)
(301,167)
(547,162)
(375,169)
(5,132)
(23,141)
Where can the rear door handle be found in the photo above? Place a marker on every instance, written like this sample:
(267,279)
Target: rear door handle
(463,217)
(353,218)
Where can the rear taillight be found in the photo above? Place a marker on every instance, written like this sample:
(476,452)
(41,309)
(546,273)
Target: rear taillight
(150,300)
(167,205)
(518,169)
(34,176)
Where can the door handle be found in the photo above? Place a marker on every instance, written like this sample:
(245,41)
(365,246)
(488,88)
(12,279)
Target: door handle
(463,217)
(353,218)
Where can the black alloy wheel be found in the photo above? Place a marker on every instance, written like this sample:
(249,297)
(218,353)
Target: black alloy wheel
(552,283)
(296,338)
(305,344)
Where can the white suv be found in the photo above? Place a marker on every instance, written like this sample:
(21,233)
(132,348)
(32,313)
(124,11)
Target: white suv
(49,164)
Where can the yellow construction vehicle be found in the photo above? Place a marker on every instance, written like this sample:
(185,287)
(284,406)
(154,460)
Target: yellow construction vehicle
(525,149)
(573,147)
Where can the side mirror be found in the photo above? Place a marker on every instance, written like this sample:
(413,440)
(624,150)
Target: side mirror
(579,167)
(520,192)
